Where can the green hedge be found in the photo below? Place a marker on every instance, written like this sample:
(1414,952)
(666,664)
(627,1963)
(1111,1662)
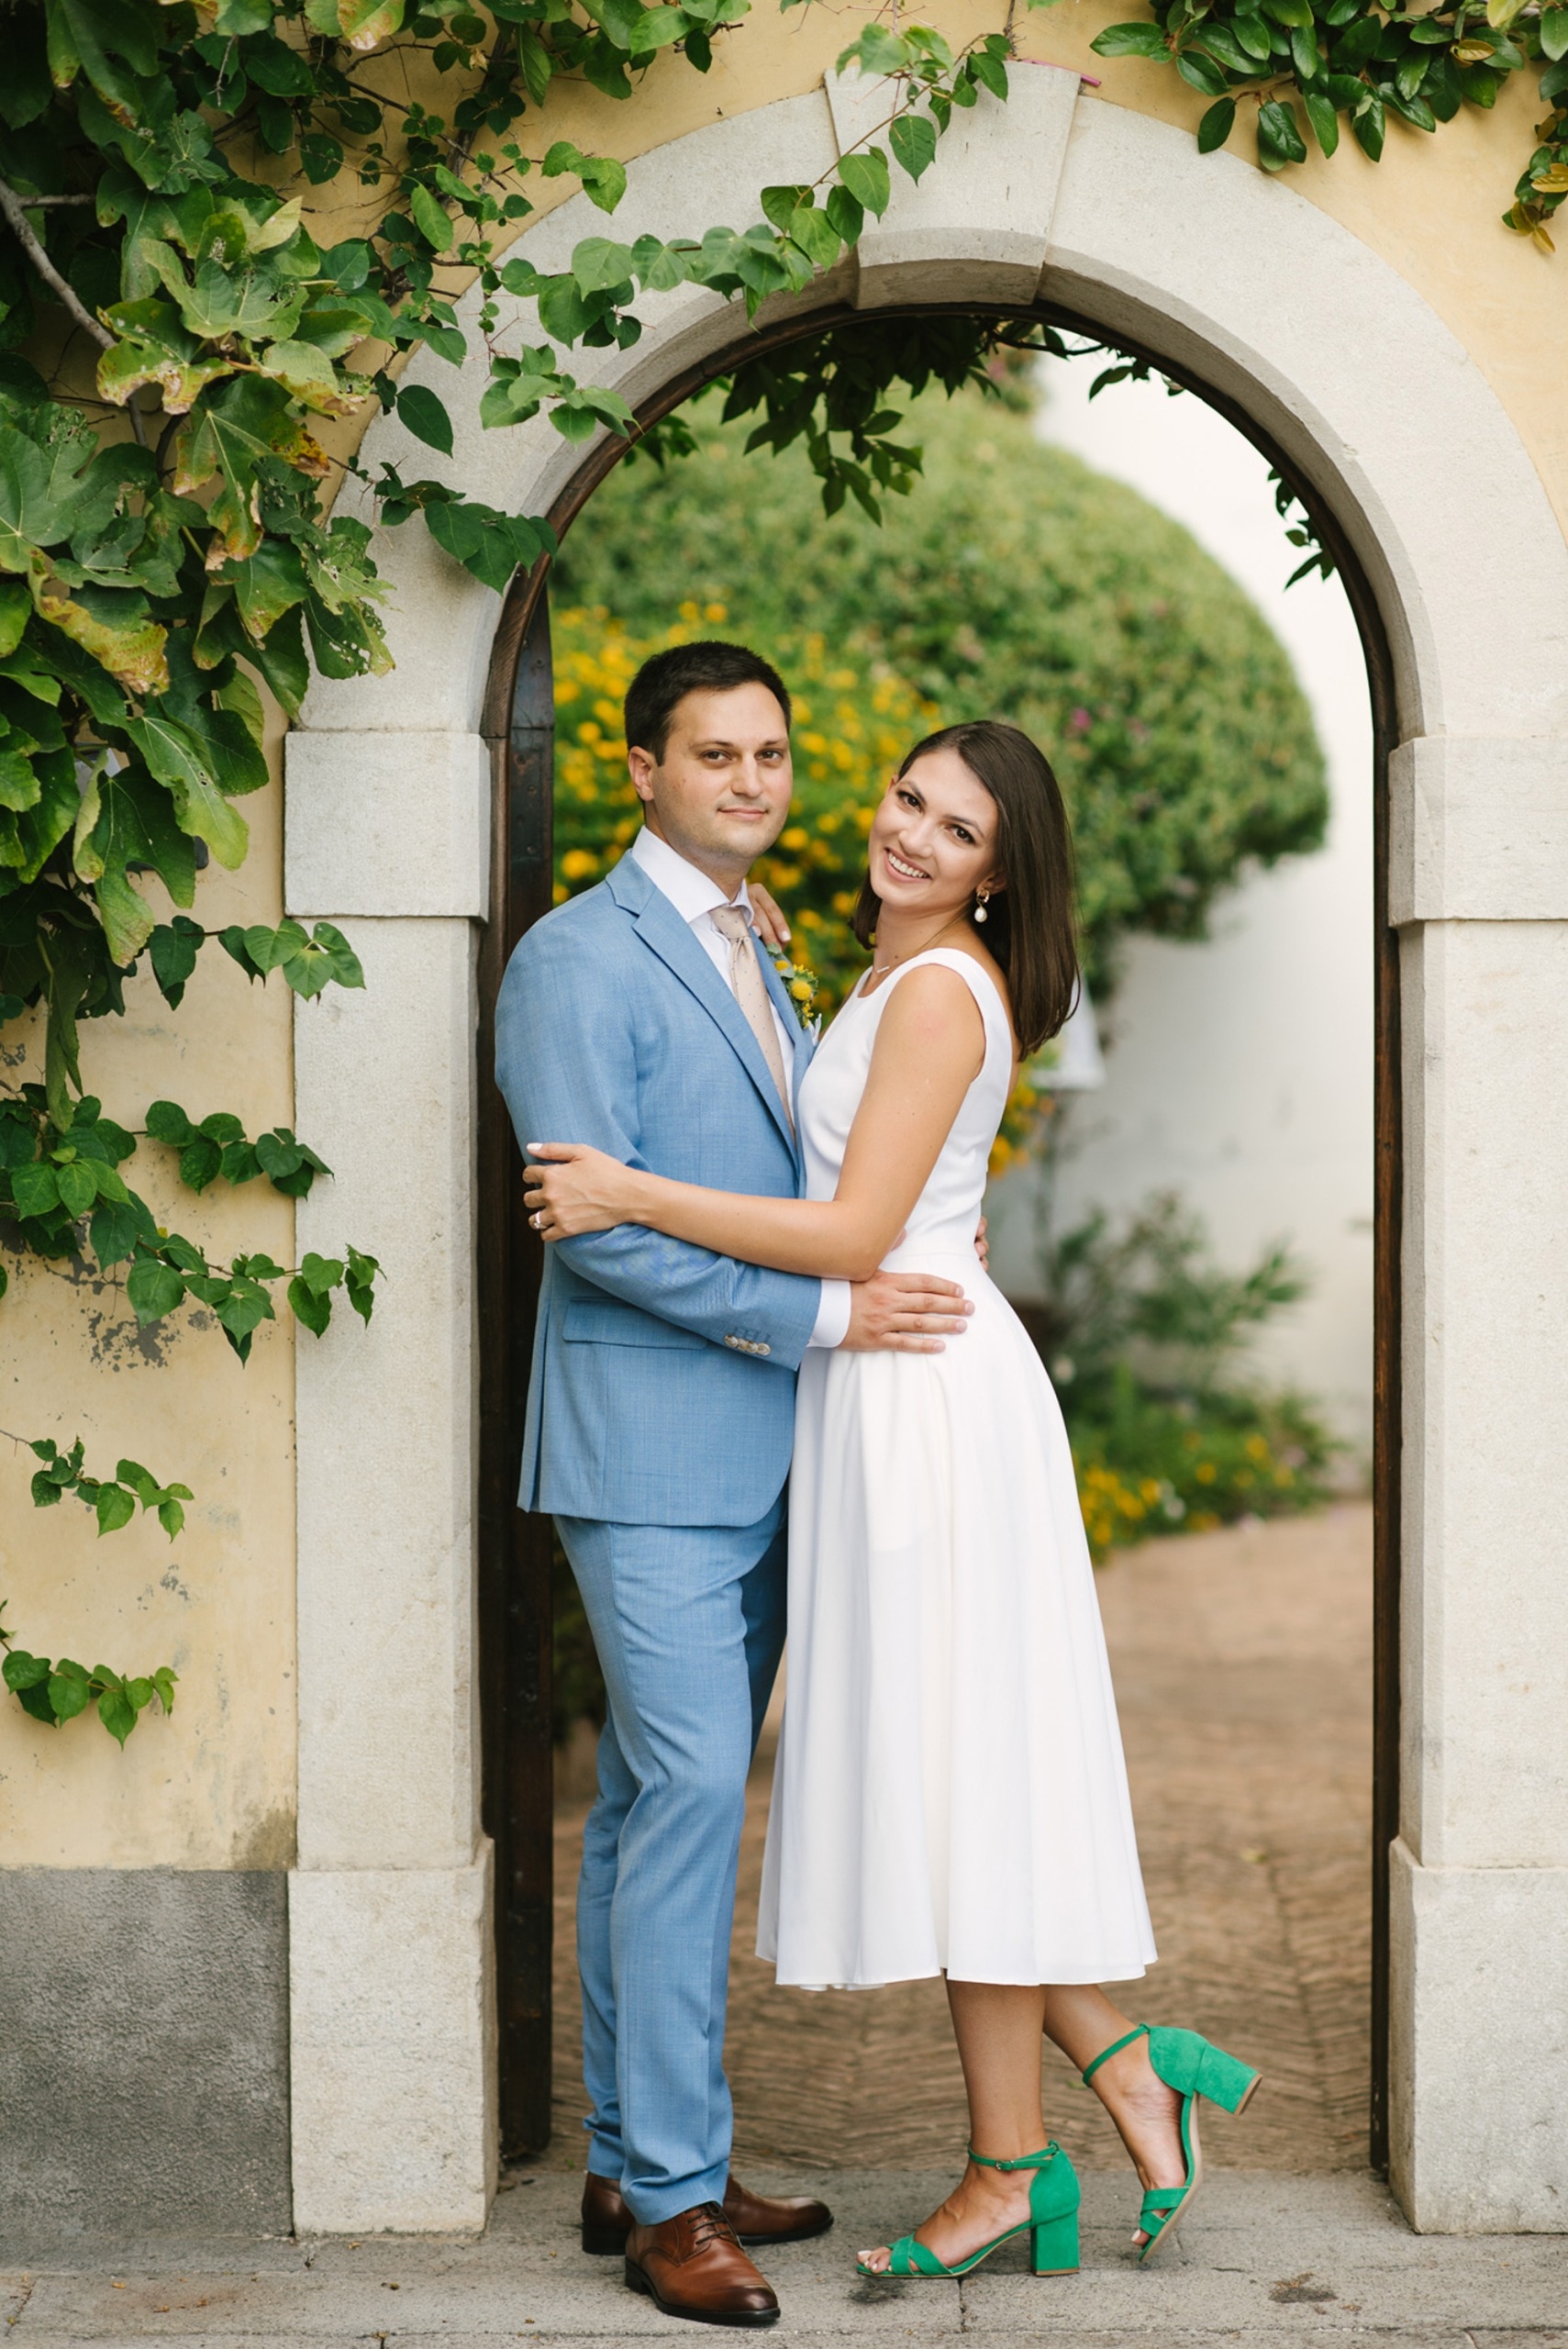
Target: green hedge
(1013,583)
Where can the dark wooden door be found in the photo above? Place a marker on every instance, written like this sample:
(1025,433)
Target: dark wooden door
(515,1549)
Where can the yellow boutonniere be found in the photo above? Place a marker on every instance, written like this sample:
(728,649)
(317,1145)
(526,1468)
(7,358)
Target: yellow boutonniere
(800,985)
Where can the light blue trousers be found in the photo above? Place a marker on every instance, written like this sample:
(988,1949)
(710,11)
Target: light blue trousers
(689,1623)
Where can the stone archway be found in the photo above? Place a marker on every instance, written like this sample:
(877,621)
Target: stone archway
(1340,365)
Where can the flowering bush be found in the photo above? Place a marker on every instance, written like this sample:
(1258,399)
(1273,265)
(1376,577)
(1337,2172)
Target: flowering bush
(1142,1334)
(852,724)
(1153,1464)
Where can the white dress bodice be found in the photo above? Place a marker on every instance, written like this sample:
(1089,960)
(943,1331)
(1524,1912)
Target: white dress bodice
(944,1218)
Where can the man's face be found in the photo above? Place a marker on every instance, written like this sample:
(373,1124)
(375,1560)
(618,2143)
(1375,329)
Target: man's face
(720,793)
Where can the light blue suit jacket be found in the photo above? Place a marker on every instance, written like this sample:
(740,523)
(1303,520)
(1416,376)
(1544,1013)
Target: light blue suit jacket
(662,1390)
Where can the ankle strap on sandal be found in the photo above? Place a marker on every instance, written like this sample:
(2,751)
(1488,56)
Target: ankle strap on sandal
(1114,2049)
(1024,2161)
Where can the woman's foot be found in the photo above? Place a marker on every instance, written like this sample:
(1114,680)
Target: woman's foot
(986,2203)
(1147,2114)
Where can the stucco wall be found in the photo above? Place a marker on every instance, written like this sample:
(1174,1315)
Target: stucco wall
(213,1786)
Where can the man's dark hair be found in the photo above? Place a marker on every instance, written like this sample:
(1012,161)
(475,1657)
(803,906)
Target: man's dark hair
(707,667)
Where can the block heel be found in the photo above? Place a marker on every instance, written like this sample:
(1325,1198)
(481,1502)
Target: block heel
(1053,2221)
(1055,2246)
(1187,2062)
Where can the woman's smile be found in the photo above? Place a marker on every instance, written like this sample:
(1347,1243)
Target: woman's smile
(906,871)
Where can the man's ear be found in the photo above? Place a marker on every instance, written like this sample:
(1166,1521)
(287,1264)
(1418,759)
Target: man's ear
(642,769)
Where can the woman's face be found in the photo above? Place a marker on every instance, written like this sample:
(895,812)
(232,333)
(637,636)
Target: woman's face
(933,840)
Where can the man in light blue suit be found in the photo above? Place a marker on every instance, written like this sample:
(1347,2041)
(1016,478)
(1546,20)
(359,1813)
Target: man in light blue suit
(643,1017)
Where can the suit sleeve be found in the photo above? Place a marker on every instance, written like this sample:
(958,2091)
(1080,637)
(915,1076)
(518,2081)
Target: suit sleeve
(566,1062)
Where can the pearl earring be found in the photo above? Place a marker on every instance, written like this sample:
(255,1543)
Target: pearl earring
(980,913)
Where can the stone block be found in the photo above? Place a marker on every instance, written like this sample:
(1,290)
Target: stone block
(1485,1771)
(392,2048)
(390,822)
(1478,831)
(976,225)
(388,1741)
(1479,2051)
(146,2052)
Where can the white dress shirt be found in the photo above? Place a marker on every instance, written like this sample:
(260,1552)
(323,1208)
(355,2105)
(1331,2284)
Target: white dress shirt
(695,897)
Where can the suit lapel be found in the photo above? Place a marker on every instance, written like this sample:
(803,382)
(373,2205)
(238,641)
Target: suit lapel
(660,929)
(804,1041)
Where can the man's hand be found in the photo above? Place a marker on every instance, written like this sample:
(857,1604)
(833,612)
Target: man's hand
(982,1246)
(904,1313)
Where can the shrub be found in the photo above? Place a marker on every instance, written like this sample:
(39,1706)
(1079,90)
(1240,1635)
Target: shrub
(1141,1333)
(1013,583)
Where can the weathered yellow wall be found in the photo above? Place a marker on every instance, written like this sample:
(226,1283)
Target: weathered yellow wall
(214,1785)
(1431,207)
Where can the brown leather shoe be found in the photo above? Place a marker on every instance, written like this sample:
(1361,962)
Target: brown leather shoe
(756,2218)
(692,2265)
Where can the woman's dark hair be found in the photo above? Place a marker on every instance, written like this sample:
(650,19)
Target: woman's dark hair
(1030,927)
(709,666)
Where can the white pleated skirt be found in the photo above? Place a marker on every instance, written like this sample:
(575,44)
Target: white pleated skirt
(950,1793)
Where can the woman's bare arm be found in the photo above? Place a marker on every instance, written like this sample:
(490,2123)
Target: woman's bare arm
(930,1044)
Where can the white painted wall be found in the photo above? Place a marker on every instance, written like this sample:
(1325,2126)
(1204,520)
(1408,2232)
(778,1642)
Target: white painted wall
(1239,1071)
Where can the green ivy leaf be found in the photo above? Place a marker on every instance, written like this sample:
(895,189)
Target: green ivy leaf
(118,1713)
(1279,139)
(913,139)
(1325,122)
(431,220)
(1131,40)
(1217,126)
(69,1689)
(76,1186)
(153,1289)
(425,416)
(35,1189)
(1554,32)
(308,1305)
(115,1508)
(866,176)
(115,1228)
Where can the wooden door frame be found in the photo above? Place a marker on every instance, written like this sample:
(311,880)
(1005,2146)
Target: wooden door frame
(515,1549)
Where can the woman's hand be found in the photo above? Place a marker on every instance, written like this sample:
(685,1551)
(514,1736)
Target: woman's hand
(580,1190)
(771,926)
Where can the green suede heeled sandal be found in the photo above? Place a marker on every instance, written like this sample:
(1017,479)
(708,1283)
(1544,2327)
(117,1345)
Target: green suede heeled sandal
(1186,2063)
(1053,2221)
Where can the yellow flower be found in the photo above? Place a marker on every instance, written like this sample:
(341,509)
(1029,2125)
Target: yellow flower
(802,990)
(578,863)
(1205,1472)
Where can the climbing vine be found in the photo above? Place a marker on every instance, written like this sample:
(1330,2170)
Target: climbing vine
(1298,67)
(177,348)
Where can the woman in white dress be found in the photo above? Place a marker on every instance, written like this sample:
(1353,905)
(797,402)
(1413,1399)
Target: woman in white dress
(949,1795)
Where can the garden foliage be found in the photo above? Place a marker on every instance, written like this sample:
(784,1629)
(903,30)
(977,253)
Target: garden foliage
(1017,584)
(1142,1334)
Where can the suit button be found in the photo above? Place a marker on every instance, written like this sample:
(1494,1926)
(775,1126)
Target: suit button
(764,1349)
(735,1341)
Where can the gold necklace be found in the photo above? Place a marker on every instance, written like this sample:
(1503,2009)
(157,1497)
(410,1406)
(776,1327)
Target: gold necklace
(879,969)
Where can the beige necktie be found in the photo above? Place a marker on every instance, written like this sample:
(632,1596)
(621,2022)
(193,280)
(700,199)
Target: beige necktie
(751,992)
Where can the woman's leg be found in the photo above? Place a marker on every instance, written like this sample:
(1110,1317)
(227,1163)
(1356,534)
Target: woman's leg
(1081,2019)
(998,2027)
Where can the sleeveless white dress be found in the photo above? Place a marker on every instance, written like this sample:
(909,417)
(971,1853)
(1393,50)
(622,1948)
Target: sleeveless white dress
(950,1793)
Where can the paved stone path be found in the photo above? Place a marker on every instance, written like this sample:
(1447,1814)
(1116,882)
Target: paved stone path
(1321,2263)
(1242,1669)
(1242,1665)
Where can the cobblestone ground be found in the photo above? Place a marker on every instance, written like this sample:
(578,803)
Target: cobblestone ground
(1242,1665)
